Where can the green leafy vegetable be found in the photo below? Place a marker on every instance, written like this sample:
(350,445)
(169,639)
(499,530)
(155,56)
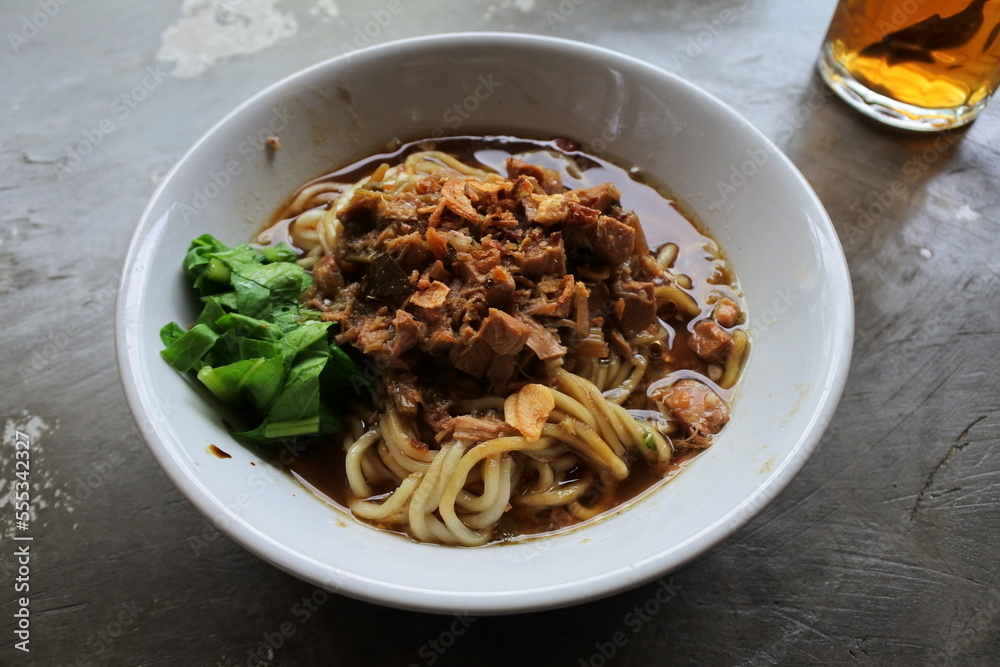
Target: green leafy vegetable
(256,347)
(648,440)
(184,352)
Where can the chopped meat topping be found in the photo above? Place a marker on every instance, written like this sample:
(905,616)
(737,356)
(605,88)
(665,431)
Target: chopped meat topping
(544,257)
(607,238)
(408,332)
(461,268)
(710,341)
(637,310)
(727,313)
(504,333)
(405,394)
(542,341)
(477,429)
(549,179)
(697,407)
(461,284)
(600,196)
(327,275)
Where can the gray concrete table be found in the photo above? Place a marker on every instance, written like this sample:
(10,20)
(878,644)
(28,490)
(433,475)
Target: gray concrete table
(884,550)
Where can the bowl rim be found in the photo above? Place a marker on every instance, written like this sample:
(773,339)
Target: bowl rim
(178,471)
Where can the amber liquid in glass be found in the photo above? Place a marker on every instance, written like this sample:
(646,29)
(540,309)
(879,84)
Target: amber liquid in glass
(932,54)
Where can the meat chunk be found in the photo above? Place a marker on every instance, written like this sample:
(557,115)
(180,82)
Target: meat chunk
(727,313)
(476,265)
(500,289)
(408,332)
(470,353)
(464,305)
(437,271)
(641,246)
(614,240)
(699,409)
(504,333)
(555,297)
(547,178)
(478,429)
(374,337)
(410,251)
(619,344)
(404,393)
(499,334)
(327,276)
(440,339)
(635,309)
(436,413)
(601,235)
(543,342)
(502,370)
(401,207)
(542,258)
(600,196)
(710,341)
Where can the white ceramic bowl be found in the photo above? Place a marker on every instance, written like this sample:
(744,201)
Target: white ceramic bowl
(767,218)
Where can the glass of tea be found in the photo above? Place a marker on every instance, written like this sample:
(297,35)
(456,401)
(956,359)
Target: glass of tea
(915,64)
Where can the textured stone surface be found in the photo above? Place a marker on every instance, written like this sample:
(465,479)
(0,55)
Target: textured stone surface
(884,549)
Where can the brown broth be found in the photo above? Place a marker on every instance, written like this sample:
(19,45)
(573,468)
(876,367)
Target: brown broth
(320,467)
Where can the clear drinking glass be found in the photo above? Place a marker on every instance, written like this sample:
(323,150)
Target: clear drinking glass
(916,64)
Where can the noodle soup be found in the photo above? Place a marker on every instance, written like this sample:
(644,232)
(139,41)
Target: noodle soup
(547,335)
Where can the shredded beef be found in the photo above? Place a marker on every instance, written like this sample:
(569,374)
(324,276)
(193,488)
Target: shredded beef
(327,275)
(478,429)
(542,341)
(408,332)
